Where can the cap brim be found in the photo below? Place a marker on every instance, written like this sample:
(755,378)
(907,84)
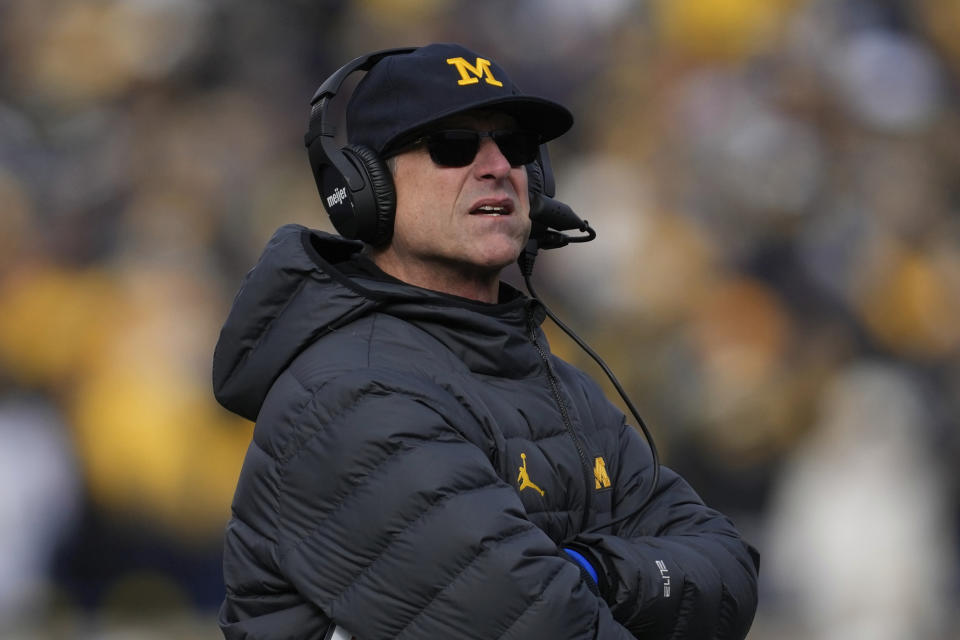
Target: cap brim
(545,117)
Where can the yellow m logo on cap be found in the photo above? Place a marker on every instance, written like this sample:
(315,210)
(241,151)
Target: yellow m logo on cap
(471,74)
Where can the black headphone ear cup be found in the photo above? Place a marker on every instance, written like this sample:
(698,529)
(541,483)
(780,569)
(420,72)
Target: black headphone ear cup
(375,205)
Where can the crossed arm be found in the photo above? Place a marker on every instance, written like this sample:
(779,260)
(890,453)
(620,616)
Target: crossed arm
(403,529)
(676,569)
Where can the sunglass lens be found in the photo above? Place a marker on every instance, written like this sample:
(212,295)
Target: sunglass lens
(453,148)
(518,147)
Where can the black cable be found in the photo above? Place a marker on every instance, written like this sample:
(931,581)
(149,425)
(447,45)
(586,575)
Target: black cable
(526,270)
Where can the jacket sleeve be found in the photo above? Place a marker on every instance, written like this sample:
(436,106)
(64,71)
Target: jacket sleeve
(677,569)
(397,526)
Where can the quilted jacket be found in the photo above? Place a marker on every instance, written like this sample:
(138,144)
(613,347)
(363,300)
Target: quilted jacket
(419,462)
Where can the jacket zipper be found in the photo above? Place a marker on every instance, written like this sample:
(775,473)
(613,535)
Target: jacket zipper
(567,423)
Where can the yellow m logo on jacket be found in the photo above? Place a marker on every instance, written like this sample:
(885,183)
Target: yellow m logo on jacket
(600,473)
(471,74)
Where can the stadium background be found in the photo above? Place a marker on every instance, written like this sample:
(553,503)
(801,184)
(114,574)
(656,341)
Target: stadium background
(776,188)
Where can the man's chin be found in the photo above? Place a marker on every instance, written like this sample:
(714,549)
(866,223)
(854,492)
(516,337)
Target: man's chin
(499,259)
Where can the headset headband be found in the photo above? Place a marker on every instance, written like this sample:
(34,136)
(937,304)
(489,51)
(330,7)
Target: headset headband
(319,125)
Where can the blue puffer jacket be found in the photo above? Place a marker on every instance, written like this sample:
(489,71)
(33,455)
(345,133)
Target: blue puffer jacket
(419,461)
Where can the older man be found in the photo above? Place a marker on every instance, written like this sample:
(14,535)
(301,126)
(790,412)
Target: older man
(422,466)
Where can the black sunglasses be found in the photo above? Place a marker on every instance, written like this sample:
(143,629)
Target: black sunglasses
(458,147)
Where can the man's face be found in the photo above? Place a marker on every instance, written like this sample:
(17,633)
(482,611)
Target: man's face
(469,221)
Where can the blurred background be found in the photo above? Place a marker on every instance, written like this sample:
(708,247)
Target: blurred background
(776,279)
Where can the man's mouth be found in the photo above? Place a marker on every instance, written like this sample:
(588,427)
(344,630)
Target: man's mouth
(491,209)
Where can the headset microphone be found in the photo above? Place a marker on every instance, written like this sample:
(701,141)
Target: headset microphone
(549,216)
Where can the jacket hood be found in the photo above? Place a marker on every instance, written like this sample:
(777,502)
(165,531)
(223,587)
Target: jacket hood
(296,293)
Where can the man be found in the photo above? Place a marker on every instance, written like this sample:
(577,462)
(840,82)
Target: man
(422,466)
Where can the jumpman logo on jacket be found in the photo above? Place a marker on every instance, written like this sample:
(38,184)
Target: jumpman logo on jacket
(524,477)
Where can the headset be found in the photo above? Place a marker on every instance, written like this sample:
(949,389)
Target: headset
(356,188)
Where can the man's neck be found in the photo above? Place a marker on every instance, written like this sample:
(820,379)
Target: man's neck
(443,277)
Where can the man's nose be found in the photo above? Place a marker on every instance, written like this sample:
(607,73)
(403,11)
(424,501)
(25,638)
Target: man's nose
(490,161)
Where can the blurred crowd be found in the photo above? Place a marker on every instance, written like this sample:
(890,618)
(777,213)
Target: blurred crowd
(775,185)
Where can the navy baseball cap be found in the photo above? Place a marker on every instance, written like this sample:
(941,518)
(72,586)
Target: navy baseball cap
(403,95)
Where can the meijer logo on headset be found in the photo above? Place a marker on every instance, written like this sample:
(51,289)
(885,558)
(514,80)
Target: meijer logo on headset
(337,197)
(480,70)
